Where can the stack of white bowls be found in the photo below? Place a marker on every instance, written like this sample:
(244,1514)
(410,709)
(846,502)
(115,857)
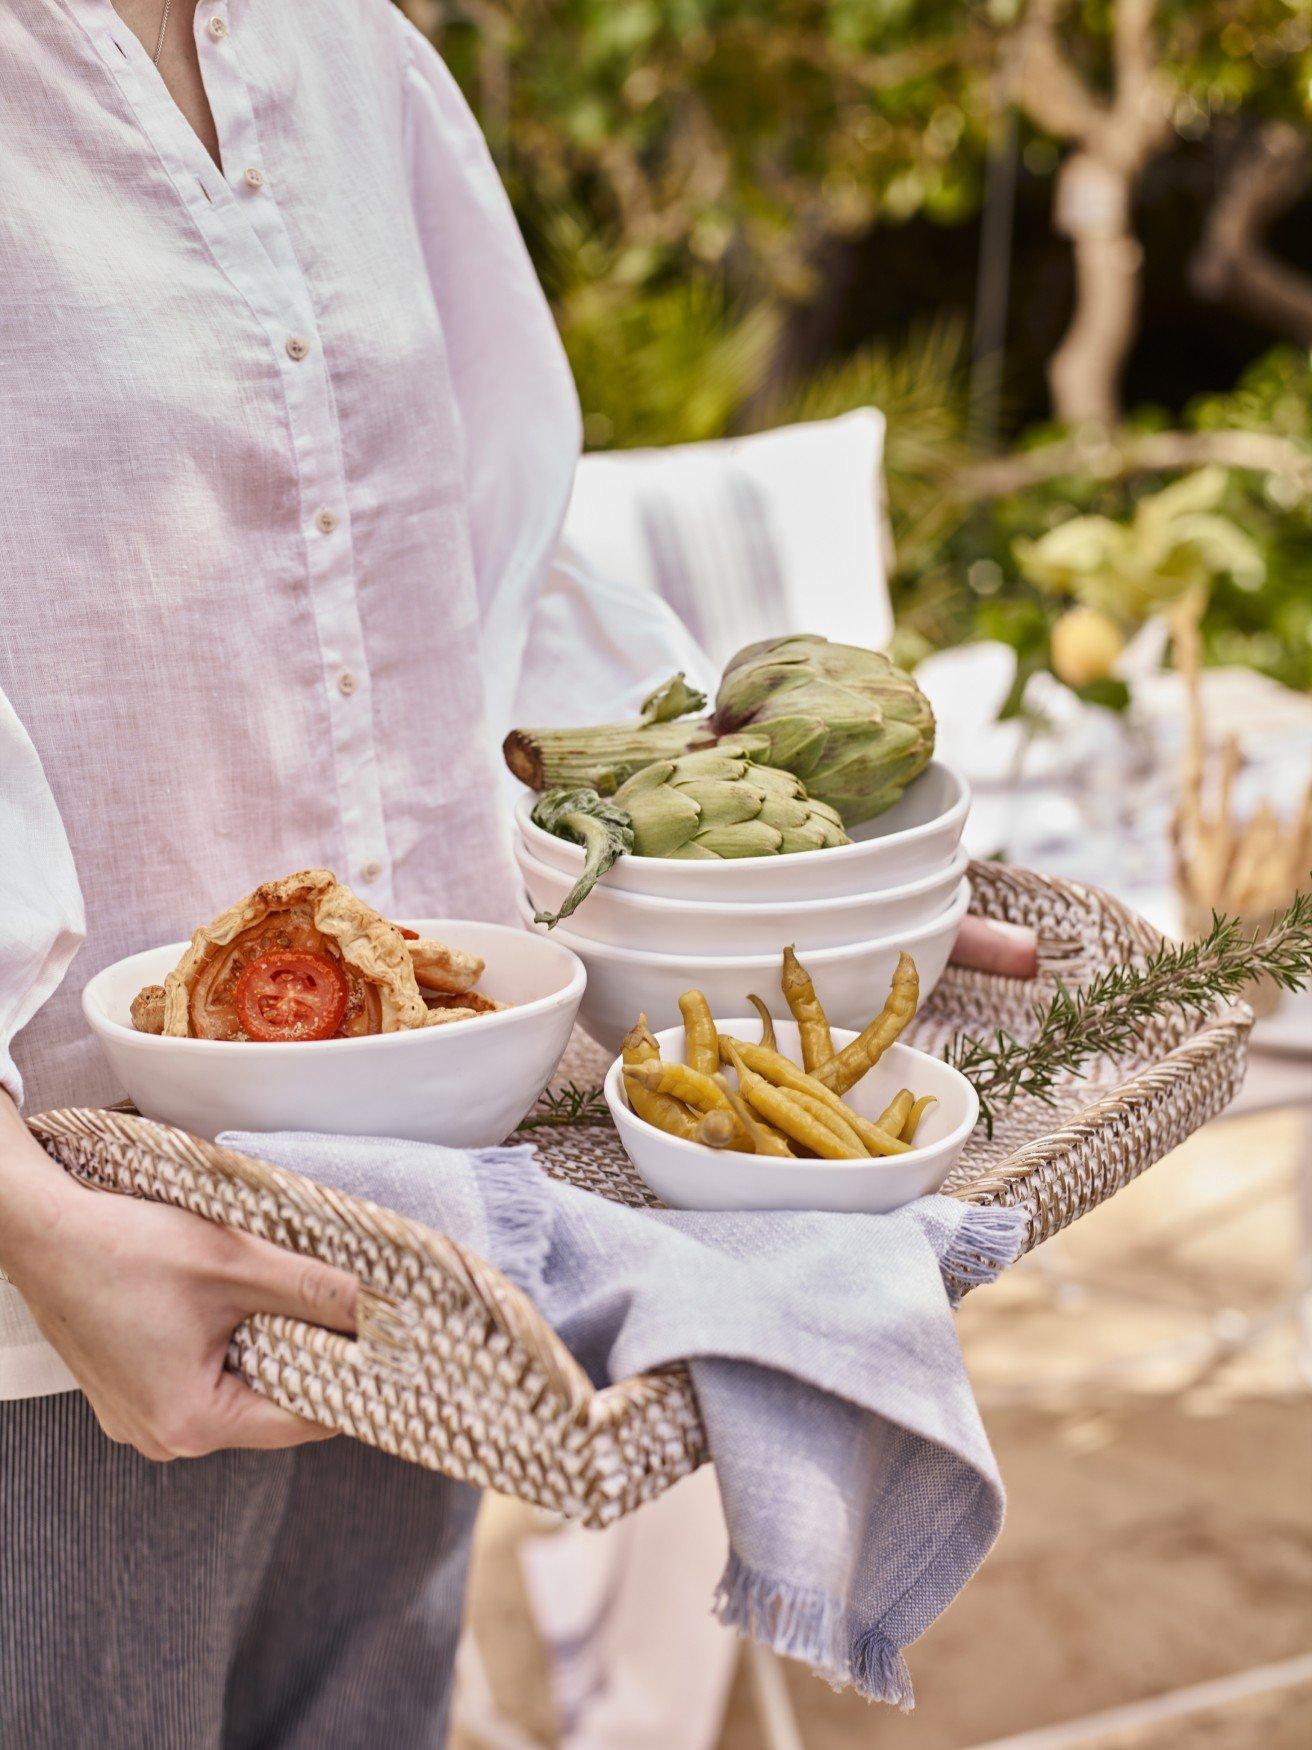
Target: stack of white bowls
(654,927)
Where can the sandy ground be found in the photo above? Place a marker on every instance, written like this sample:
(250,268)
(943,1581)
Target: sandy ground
(1159,1470)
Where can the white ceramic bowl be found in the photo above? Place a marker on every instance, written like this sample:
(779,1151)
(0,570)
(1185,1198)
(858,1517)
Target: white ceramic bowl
(915,838)
(466,1084)
(675,926)
(688,1176)
(852,981)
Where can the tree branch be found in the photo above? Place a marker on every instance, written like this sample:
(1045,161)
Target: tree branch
(1231,265)
(1139,453)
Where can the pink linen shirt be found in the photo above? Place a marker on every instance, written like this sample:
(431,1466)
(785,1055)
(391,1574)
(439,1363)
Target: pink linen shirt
(285,448)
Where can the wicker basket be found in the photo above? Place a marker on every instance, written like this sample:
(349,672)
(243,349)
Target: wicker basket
(454,1368)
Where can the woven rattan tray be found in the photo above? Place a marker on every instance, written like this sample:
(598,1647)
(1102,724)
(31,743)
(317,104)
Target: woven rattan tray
(455,1369)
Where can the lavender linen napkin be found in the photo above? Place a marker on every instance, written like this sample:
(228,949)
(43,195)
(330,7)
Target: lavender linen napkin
(859,1488)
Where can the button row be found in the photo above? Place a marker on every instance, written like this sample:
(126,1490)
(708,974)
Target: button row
(326,521)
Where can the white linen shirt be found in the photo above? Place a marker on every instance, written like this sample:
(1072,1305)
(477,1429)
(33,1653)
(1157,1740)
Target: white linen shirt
(285,448)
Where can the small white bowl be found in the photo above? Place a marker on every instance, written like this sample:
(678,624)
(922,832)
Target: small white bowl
(674,926)
(687,1175)
(852,981)
(913,839)
(466,1084)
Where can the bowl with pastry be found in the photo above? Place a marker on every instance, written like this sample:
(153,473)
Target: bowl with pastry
(786,1112)
(301,1007)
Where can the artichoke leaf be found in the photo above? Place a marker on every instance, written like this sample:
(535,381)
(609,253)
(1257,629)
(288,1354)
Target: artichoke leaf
(604,831)
(675,699)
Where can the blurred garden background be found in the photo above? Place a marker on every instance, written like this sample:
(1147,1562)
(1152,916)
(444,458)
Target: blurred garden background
(1065,247)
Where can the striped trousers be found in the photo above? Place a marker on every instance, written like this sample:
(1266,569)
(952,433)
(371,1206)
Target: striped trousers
(290,1599)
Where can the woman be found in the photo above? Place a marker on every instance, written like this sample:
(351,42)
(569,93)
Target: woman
(286,436)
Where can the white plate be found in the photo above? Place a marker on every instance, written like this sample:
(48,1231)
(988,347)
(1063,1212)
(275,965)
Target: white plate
(466,1084)
(852,980)
(915,838)
(688,1176)
(689,926)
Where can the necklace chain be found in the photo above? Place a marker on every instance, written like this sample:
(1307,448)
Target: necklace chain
(163,31)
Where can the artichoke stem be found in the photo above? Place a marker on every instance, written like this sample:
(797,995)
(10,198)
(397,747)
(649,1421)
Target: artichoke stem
(600,758)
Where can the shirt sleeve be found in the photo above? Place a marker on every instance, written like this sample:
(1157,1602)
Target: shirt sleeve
(598,647)
(42,924)
(514,395)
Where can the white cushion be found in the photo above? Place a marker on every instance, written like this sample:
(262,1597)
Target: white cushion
(783,531)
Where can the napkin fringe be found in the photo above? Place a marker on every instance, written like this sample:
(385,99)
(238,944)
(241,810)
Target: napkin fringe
(799,1623)
(880,1672)
(986,1243)
(520,1213)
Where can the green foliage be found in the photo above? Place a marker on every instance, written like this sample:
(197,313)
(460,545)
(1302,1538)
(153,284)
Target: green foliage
(972,586)
(679,165)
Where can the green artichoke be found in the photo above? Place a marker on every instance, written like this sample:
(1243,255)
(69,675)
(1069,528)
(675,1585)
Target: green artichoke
(855,728)
(718,802)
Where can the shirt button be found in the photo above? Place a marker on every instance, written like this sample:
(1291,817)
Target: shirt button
(218,28)
(297,346)
(346,683)
(326,521)
(371,871)
(254,177)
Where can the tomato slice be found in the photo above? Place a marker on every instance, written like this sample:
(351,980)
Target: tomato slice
(287,994)
(410,935)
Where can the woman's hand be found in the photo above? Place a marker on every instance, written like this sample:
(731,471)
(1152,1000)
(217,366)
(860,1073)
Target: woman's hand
(141,1300)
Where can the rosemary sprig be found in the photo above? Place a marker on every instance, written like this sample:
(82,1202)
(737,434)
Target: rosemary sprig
(569,1105)
(1106,1018)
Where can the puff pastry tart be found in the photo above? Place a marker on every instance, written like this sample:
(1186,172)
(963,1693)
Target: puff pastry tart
(299,959)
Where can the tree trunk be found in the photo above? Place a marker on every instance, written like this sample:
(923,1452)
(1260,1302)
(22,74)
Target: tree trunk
(1093,209)
(1231,266)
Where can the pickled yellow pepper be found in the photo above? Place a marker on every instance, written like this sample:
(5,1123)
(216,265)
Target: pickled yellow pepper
(701,1042)
(767,1021)
(768,1140)
(681,1081)
(846,1068)
(782,1107)
(916,1113)
(845,1132)
(806,1009)
(896,1113)
(784,1073)
(661,1110)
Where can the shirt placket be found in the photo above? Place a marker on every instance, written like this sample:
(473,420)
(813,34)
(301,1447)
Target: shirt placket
(238,213)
